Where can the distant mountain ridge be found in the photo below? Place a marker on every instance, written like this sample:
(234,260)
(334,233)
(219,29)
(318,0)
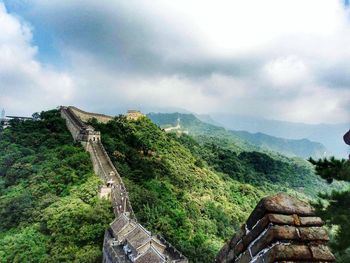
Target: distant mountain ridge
(191,124)
(330,135)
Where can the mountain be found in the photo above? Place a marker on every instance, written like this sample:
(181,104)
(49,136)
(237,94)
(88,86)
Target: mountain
(330,135)
(189,123)
(194,191)
(303,148)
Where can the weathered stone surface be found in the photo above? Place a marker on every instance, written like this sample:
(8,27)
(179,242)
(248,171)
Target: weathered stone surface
(256,231)
(284,231)
(244,258)
(322,253)
(238,236)
(239,248)
(311,221)
(281,219)
(279,204)
(289,252)
(274,233)
(313,233)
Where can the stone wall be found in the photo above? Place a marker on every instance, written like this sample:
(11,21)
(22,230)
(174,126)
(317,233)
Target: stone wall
(72,126)
(281,228)
(85,116)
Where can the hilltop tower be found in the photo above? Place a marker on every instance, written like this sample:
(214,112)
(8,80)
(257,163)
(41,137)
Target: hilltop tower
(134,114)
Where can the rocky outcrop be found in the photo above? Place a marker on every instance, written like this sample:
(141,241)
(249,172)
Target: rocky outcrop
(281,228)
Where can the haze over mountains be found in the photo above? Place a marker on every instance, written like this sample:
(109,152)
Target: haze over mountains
(330,135)
(204,125)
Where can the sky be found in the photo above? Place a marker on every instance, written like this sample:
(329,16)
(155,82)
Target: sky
(277,59)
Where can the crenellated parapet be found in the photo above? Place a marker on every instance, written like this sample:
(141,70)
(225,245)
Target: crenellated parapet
(281,228)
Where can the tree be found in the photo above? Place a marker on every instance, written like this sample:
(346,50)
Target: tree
(336,209)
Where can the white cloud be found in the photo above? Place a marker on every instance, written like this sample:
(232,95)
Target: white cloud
(287,72)
(25,84)
(272,58)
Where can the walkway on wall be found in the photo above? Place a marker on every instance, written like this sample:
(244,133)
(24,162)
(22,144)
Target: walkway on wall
(126,241)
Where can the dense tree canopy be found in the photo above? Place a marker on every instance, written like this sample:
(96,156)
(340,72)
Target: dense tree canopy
(196,192)
(49,208)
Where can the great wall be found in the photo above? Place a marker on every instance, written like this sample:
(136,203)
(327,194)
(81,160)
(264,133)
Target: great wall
(280,229)
(126,240)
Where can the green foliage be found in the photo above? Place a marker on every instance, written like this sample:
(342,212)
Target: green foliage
(242,139)
(195,191)
(24,245)
(334,208)
(332,168)
(49,208)
(254,167)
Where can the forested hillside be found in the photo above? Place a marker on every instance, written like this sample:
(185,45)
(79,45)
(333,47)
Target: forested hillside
(258,141)
(196,193)
(49,210)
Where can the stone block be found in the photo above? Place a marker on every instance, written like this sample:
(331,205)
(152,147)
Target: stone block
(283,252)
(311,221)
(281,219)
(244,258)
(322,253)
(238,236)
(313,234)
(255,231)
(239,248)
(274,233)
(279,204)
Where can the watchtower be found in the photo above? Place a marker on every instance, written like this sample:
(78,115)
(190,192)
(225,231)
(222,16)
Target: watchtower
(134,115)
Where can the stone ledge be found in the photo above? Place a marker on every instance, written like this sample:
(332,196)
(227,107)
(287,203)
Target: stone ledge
(241,241)
(279,204)
(299,253)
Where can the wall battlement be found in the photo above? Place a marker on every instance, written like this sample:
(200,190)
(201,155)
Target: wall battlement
(281,228)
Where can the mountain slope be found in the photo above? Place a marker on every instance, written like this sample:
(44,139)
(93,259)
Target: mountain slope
(196,194)
(245,140)
(302,148)
(49,209)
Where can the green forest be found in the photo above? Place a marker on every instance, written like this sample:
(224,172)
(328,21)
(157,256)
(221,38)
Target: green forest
(49,209)
(196,191)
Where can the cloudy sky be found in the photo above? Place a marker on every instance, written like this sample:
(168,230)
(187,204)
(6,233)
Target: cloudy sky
(279,59)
